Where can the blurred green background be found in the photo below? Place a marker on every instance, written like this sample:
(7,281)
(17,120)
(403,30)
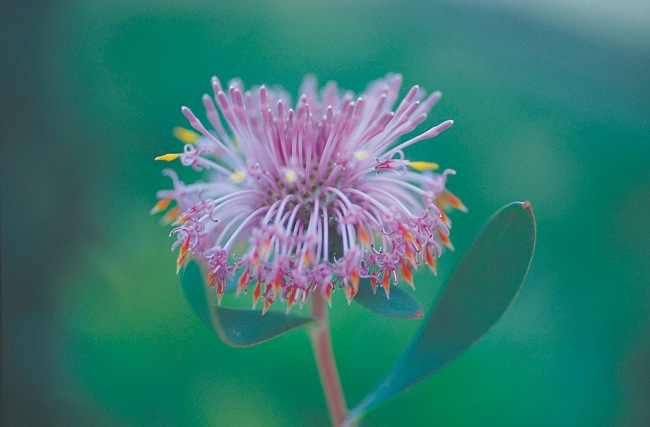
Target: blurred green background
(551,103)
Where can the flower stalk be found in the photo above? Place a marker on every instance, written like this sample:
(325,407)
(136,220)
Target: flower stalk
(321,342)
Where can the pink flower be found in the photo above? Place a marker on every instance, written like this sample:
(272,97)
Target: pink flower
(309,199)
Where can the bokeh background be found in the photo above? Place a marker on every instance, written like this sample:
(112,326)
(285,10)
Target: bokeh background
(551,102)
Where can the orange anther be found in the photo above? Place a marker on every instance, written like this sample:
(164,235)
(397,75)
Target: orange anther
(455,201)
(410,255)
(180,260)
(161,205)
(444,218)
(171,215)
(184,247)
(308,258)
(363,235)
(407,234)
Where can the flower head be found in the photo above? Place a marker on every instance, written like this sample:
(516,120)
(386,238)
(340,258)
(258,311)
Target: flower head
(310,198)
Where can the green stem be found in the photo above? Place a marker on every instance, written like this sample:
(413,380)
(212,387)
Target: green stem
(321,342)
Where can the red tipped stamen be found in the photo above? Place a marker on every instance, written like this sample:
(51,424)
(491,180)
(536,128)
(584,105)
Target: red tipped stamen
(242,283)
(408,236)
(267,304)
(348,293)
(430,259)
(220,290)
(303,297)
(408,276)
(385,283)
(410,255)
(180,260)
(292,298)
(445,239)
(354,278)
(277,284)
(256,294)
(444,217)
(373,283)
(212,280)
(328,295)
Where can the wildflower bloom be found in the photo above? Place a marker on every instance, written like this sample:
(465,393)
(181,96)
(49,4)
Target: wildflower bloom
(311,198)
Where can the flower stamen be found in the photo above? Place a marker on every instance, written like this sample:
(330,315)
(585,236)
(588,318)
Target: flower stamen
(310,196)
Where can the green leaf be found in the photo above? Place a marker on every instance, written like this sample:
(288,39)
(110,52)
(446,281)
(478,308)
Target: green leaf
(401,304)
(243,328)
(486,281)
(195,291)
(236,327)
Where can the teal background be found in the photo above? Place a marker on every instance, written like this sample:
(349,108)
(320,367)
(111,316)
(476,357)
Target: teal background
(94,326)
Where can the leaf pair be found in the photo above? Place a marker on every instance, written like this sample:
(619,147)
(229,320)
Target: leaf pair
(484,284)
(243,328)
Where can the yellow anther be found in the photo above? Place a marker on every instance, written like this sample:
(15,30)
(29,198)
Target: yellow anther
(237,177)
(290,176)
(185,135)
(361,155)
(422,166)
(168,157)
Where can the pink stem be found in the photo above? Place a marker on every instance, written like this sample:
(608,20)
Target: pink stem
(329,376)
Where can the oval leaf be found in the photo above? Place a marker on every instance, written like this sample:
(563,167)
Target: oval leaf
(486,281)
(243,328)
(401,304)
(195,291)
(236,327)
